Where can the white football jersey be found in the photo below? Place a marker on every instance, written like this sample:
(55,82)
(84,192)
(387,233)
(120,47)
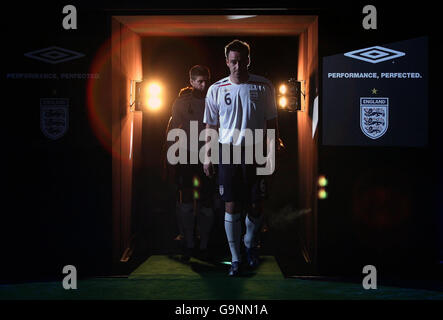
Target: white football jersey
(239,106)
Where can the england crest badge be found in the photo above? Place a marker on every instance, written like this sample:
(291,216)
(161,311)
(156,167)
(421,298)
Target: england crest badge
(54,117)
(374,116)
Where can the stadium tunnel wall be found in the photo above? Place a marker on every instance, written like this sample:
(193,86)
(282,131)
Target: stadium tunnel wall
(126,133)
(308,143)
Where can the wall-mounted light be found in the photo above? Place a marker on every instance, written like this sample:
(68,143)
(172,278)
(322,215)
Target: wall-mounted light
(133,94)
(283,89)
(149,95)
(289,95)
(283,102)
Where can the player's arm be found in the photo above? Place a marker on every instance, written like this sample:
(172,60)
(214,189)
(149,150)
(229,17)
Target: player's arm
(210,118)
(272,141)
(208,167)
(273,124)
(172,124)
(175,115)
(176,119)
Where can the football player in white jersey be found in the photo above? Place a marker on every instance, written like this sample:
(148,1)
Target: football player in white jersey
(238,103)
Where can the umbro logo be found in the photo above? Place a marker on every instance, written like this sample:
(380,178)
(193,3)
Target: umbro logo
(375,54)
(54,55)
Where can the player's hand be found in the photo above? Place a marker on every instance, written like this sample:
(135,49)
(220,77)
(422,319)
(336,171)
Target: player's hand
(270,163)
(208,168)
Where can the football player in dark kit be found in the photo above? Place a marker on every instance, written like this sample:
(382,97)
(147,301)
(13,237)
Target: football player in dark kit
(196,190)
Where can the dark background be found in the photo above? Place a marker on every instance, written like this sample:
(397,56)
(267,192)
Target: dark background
(403,182)
(57,199)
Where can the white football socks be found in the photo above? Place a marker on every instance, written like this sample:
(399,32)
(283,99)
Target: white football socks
(233,233)
(252,227)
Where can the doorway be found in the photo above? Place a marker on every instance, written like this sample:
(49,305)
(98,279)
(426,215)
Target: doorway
(282,47)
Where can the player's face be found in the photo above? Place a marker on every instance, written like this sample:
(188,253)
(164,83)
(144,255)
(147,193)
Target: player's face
(237,63)
(200,83)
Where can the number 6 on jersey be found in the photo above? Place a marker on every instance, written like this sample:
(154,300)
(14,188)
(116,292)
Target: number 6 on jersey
(227,99)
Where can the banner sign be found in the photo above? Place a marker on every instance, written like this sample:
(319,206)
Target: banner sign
(377,96)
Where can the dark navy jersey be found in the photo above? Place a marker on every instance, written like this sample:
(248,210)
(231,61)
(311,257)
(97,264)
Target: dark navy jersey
(187,107)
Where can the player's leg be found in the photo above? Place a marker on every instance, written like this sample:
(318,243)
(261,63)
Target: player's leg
(230,188)
(253,223)
(232,217)
(233,229)
(178,180)
(181,232)
(205,217)
(186,210)
(254,216)
(205,222)
(188,221)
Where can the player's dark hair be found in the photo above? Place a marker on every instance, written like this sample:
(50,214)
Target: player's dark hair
(237,45)
(199,70)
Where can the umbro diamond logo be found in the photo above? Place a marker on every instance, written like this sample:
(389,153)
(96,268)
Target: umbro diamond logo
(54,55)
(375,54)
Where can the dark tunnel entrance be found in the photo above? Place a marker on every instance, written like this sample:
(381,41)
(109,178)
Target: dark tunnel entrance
(148,210)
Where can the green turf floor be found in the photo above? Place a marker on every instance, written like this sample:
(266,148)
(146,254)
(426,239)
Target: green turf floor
(167,278)
(171,267)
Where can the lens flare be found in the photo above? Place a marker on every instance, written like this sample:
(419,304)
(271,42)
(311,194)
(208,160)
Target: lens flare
(196,182)
(322,181)
(322,194)
(100,88)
